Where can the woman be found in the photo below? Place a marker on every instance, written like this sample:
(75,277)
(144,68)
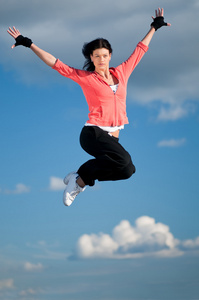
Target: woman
(105,92)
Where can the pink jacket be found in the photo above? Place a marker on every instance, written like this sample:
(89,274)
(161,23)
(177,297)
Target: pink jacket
(105,107)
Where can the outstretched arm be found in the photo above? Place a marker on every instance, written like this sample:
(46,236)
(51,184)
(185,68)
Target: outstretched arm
(158,22)
(46,57)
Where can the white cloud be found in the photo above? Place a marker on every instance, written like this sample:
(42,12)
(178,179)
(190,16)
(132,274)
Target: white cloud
(172,143)
(146,238)
(56,184)
(20,189)
(33,267)
(172,113)
(101,245)
(191,244)
(6,284)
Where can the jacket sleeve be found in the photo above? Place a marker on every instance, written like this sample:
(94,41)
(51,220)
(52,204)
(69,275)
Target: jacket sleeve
(76,75)
(129,65)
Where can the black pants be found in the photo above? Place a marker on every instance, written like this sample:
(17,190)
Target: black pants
(111,162)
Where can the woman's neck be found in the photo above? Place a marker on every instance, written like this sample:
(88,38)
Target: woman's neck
(107,77)
(103,73)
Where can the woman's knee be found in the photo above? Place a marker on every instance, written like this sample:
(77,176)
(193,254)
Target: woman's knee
(128,170)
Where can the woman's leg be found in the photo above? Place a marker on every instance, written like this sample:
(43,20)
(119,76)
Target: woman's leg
(112,161)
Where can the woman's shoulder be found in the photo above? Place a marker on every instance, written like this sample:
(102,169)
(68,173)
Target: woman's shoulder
(68,71)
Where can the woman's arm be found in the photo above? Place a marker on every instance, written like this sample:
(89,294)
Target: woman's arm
(146,40)
(158,22)
(46,57)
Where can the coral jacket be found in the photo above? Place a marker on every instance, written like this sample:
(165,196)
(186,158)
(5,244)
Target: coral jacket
(105,107)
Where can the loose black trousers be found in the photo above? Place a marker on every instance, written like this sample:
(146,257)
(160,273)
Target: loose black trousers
(111,162)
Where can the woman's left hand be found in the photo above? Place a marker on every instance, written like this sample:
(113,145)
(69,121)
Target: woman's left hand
(158,21)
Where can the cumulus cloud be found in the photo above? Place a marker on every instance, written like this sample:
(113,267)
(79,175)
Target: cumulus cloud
(56,184)
(19,189)
(172,143)
(146,238)
(33,267)
(168,73)
(6,284)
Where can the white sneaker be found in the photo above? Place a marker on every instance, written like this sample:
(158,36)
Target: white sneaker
(72,190)
(67,178)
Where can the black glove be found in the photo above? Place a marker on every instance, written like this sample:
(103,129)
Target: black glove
(24,41)
(158,22)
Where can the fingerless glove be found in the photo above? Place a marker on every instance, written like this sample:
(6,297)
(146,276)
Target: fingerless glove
(23,41)
(158,22)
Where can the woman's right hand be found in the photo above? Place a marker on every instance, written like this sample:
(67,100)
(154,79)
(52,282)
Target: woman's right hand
(20,39)
(14,33)
(49,59)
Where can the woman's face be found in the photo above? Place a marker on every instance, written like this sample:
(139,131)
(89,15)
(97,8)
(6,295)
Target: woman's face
(101,58)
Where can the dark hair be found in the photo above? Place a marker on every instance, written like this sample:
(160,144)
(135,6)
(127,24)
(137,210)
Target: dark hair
(88,49)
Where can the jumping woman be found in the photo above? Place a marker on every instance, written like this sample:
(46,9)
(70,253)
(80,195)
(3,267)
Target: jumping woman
(105,91)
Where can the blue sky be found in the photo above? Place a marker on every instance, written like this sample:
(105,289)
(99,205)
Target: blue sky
(130,240)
